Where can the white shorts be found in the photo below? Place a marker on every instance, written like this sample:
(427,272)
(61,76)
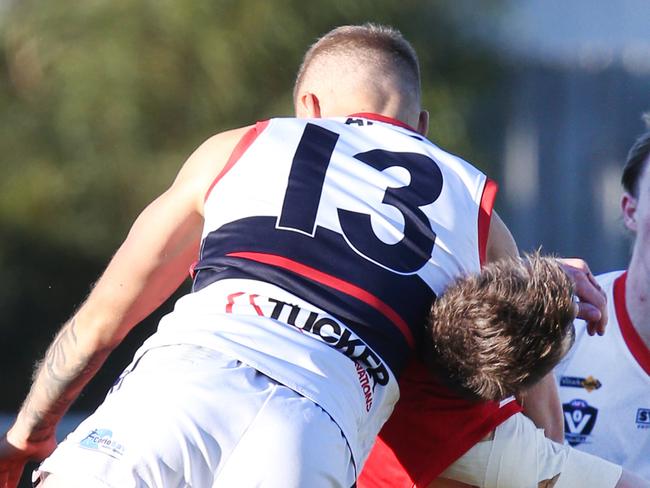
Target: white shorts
(520,456)
(188,416)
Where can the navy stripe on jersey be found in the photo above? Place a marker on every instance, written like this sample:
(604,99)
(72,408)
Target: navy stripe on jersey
(407,295)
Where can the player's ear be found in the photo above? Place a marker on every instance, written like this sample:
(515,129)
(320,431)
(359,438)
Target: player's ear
(423,123)
(308,106)
(628,207)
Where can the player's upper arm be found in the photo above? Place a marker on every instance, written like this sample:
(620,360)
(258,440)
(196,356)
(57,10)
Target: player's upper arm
(500,243)
(164,240)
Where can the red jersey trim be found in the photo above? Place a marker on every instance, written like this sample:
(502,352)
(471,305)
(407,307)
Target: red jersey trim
(383,118)
(631,337)
(241,147)
(485,216)
(332,282)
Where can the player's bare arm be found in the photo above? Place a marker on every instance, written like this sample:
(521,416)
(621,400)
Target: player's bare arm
(150,264)
(500,243)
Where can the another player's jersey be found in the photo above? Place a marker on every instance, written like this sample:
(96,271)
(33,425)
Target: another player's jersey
(325,241)
(430,428)
(605,387)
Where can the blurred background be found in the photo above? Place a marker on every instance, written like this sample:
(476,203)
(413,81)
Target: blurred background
(101,102)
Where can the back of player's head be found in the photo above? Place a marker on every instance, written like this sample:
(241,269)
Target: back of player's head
(366,57)
(497,333)
(637,159)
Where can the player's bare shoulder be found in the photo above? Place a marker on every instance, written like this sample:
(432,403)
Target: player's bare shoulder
(218,148)
(206,163)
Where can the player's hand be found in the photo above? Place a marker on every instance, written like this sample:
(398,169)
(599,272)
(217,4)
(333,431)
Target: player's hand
(592,304)
(14,456)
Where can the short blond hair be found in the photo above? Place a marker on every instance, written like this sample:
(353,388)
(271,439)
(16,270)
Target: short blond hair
(496,333)
(382,47)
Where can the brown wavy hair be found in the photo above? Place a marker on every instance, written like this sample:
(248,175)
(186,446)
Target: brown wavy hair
(498,332)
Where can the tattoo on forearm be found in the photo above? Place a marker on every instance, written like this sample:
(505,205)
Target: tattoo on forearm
(58,379)
(56,358)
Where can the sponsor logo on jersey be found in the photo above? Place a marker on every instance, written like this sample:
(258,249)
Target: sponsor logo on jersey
(643,418)
(333,333)
(102,440)
(364,381)
(579,421)
(589,383)
(370,369)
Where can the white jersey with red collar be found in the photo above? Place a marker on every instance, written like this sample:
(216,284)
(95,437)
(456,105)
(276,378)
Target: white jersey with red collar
(325,241)
(605,387)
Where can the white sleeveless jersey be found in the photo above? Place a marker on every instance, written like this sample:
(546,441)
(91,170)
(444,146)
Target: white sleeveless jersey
(325,241)
(605,387)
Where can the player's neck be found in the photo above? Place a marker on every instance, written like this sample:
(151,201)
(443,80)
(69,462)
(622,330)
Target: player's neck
(637,299)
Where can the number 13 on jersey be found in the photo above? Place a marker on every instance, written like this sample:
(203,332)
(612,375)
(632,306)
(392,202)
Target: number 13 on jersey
(371,208)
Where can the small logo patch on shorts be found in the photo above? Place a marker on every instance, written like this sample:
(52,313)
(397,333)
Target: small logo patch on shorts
(102,440)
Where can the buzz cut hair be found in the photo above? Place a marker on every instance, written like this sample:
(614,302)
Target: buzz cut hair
(383,46)
(636,161)
(498,332)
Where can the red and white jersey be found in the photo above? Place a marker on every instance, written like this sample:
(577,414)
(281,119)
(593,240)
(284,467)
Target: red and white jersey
(605,387)
(325,241)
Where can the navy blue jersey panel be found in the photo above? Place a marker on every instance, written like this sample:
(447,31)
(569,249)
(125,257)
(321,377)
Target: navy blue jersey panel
(327,252)
(380,334)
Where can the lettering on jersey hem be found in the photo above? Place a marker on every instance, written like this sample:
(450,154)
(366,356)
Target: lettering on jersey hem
(370,369)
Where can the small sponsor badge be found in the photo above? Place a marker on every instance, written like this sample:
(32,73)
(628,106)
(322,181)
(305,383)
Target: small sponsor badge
(589,383)
(102,440)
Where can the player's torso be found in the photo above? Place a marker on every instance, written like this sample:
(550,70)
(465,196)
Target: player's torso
(325,242)
(605,388)
(364,219)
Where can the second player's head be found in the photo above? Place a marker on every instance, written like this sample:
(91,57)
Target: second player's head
(497,333)
(360,68)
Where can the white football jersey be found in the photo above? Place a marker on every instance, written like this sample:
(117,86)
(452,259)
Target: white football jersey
(325,242)
(605,387)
